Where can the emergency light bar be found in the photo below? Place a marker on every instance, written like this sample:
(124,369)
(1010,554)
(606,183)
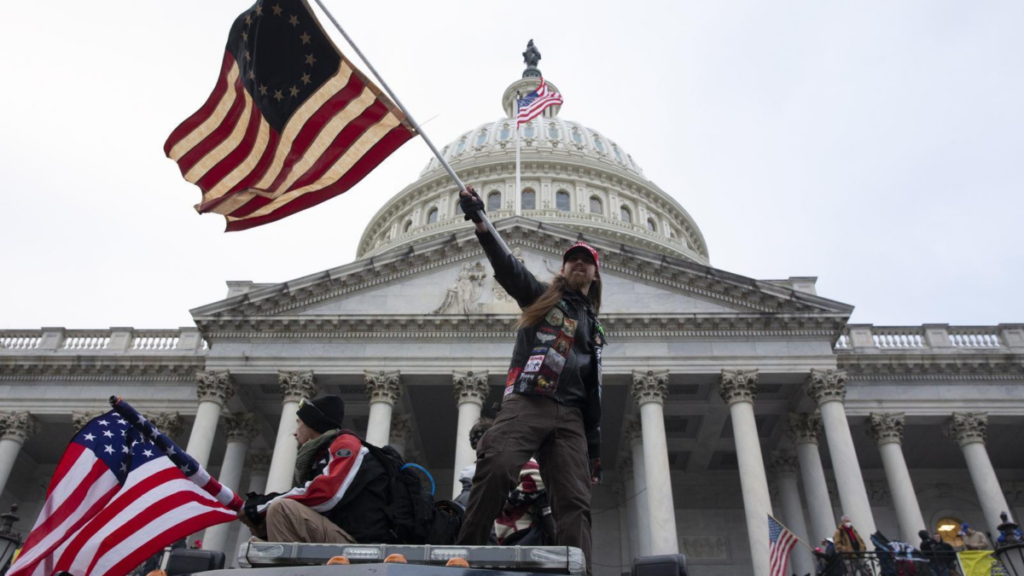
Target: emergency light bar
(547,559)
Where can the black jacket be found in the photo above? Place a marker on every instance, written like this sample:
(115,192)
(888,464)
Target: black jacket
(561,356)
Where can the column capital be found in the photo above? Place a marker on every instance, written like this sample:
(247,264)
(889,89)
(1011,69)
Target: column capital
(79,418)
(633,431)
(826,385)
(17,426)
(738,386)
(967,427)
(241,427)
(804,427)
(650,386)
(886,427)
(383,386)
(470,386)
(783,463)
(214,386)
(170,423)
(296,386)
(259,461)
(401,428)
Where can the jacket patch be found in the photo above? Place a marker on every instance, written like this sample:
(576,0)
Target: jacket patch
(544,384)
(508,390)
(533,364)
(541,350)
(554,361)
(563,344)
(555,317)
(512,375)
(343,453)
(545,337)
(569,327)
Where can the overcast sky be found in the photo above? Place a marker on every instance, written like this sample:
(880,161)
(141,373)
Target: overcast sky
(876,145)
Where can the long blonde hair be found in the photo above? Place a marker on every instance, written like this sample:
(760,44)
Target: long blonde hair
(534,313)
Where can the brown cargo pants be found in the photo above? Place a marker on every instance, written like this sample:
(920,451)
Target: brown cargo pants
(529,425)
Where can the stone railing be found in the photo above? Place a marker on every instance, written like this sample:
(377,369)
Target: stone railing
(108,341)
(931,338)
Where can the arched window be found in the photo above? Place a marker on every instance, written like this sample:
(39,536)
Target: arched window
(671,233)
(577,137)
(562,201)
(505,132)
(651,225)
(599,145)
(595,205)
(626,215)
(553,131)
(528,130)
(494,201)
(405,229)
(482,138)
(618,155)
(461,146)
(949,529)
(529,199)
(432,216)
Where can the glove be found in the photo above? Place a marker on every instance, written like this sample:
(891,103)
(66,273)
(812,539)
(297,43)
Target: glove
(595,470)
(472,206)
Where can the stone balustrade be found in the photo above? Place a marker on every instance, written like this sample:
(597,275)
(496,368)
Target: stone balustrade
(933,338)
(110,340)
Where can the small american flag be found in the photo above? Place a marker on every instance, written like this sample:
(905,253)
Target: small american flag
(781,542)
(536,102)
(119,496)
(290,123)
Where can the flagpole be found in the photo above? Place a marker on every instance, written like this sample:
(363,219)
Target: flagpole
(519,185)
(486,221)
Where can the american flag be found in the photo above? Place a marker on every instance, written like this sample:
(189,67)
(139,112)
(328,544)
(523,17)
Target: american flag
(781,542)
(120,495)
(291,122)
(536,102)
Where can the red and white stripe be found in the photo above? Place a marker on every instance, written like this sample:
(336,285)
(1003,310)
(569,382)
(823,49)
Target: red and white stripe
(538,106)
(779,552)
(253,175)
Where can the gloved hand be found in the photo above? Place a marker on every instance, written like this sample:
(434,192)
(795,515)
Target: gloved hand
(472,205)
(596,472)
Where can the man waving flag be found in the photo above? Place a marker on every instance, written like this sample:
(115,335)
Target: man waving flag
(121,493)
(290,123)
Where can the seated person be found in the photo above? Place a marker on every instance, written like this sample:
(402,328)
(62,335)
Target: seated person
(341,496)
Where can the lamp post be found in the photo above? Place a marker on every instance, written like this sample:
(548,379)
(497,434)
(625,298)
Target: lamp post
(9,539)
(1010,551)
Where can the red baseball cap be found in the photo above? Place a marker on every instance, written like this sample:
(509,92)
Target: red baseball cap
(585,247)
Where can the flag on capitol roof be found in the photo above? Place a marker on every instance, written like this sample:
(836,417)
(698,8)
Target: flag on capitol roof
(536,102)
(291,122)
(121,493)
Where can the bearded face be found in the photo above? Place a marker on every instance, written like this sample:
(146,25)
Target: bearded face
(579,271)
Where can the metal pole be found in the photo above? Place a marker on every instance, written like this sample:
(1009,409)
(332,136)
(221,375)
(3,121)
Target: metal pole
(412,121)
(519,185)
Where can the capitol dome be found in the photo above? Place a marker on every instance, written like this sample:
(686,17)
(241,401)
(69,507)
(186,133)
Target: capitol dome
(572,176)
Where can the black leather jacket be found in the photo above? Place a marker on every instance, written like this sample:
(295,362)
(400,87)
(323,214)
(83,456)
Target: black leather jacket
(559,357)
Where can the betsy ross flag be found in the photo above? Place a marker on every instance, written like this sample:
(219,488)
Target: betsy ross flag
(536,102)
(119,496)
(291,122)
(781,542)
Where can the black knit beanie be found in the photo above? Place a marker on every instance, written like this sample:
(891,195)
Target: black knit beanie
(323,413)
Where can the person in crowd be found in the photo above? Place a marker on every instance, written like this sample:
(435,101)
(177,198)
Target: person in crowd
(851,546)
(552,400)
(939,554)
(974,540)
(332,467)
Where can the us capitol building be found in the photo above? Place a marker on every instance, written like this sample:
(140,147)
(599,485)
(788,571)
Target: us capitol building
(726,398)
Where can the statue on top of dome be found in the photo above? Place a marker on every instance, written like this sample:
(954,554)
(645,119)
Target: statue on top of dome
(531,57)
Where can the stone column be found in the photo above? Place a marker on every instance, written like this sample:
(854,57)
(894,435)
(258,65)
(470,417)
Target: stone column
(649,391)
(969,430)
(887,432)
(804,431)
(625,550)
(828,389)
(295,386)
(784,467)
(214,389)
(259,464)
(383,389)
(470,394)
(634,433)
(629,496)
(241,429)
(15,429)
(401,428)
(738,388)
(169,423)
